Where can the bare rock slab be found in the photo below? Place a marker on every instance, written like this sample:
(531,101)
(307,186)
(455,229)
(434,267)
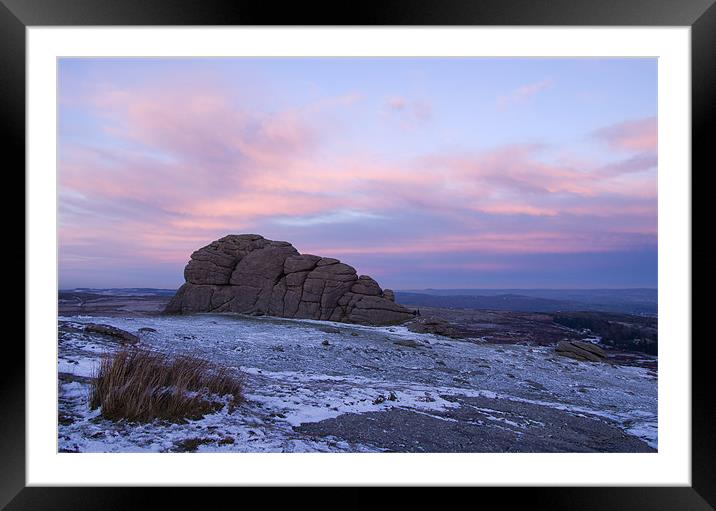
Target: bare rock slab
(580,350)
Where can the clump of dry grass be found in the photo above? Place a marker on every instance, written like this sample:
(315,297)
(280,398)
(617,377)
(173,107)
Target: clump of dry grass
(142,385)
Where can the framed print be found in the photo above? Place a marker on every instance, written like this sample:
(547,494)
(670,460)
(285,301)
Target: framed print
(423,246)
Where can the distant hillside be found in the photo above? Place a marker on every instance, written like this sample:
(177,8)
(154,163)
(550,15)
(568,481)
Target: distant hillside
(123,291)
(632,333)
(627,301)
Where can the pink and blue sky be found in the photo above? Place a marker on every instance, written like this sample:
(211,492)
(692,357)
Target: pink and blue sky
(441,172)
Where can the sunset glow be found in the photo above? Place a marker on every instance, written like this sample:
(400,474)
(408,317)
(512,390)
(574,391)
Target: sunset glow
(439,173)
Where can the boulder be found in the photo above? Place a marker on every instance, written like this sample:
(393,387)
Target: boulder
(249,274)
(215,263)
(580,350)
(435,326)
(300,263)
(365,285)
(408,343)
(117,333)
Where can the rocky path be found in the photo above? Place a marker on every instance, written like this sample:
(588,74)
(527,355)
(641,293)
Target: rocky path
(479,424)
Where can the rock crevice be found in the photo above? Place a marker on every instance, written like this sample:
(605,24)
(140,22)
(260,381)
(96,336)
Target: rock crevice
(246,273)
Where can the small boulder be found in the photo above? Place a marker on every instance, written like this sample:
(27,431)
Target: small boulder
(434,326)
(302,262)
(365,285)
(330,330)
(408,343)
(327,261)
(111,331)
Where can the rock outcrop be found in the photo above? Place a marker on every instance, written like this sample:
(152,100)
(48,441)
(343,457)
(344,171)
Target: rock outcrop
(249,274)
(122,335)
(580,350)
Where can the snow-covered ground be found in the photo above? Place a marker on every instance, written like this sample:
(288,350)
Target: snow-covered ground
(292,377)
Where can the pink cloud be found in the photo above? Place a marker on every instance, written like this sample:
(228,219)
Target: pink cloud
(514,177)
(397,104)
(205,126)
(506,208)
(635,135)
(523,94)
(192,166)
(640,162)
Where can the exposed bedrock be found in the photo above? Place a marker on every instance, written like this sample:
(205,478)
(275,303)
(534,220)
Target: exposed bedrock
(580,350)
(249,274)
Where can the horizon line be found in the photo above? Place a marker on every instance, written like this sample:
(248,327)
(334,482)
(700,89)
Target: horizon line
(423,288)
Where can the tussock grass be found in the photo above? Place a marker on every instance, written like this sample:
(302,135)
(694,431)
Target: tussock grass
(141,385)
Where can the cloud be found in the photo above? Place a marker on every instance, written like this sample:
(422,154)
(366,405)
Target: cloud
(396,104)
(642,161)
(522,94)
(633,135)
(332,217)
(548,242)
(204,127)
(176,167)
(517,174)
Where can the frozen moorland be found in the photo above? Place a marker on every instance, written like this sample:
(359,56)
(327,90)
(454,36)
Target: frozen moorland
(329,387)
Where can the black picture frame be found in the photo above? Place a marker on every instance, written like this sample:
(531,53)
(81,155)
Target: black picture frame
(700,15)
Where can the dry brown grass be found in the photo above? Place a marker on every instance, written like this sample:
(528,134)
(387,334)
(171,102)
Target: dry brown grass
(142,385)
